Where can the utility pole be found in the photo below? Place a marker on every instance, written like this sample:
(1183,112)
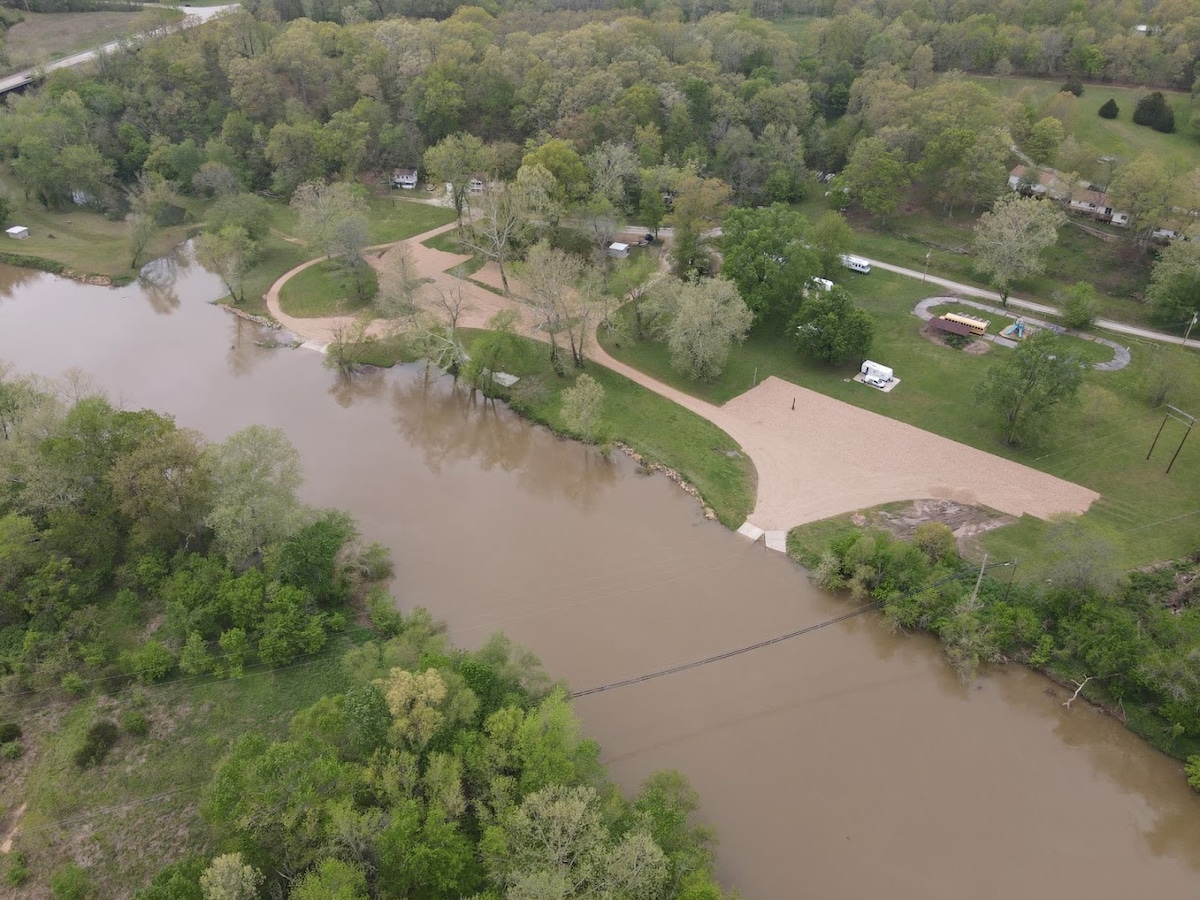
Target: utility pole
(925,275)
(1188,333)
(979,580)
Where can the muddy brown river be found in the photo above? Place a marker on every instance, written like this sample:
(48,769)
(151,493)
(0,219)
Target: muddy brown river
(847,763)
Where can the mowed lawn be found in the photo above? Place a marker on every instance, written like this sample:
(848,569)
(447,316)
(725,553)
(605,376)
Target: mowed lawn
(1117,137)
(1100,442)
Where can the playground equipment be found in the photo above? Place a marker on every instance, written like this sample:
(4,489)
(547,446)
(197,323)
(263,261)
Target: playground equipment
(1017,330)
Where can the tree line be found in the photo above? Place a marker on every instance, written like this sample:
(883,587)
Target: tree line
(1131,638)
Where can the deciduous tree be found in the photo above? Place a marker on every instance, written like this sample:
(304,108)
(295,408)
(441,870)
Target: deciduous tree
(1025,387)
(1011,238)
(229,253)
(455,160)
(831,328)
(700,321)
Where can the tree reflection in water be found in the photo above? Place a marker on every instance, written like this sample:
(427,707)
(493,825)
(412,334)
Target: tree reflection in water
(451,423)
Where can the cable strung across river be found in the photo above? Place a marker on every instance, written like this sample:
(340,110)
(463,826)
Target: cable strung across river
(683,667)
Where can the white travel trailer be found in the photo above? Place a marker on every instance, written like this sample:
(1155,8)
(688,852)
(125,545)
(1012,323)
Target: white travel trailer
(876,375)
(856,264)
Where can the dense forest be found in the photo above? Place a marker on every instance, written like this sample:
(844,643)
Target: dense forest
(135,558)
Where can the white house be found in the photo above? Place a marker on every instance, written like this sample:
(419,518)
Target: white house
(404,178)
(477,184)
(18,232)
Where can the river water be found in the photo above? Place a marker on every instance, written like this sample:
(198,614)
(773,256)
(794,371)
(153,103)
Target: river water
(847,763)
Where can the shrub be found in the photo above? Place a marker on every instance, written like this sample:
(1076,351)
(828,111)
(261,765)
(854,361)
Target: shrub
(1081,305)
(151,662)
(1193,771)
(1109,110)
(1155,112)
(70,883)
(18,869)
(101,738)
(385,618)
(134,722)
(9,731)
(935,540)
(12,750)
(73,684)
(1073,86)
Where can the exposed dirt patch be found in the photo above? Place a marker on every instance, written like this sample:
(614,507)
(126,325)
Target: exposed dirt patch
(11,826)
(966,521)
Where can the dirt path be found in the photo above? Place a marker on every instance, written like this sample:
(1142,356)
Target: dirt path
(816,457)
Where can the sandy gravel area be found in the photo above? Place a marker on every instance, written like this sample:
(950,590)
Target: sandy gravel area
(821,459)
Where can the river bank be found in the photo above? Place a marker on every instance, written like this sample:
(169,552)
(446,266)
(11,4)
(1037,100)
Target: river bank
(494,523)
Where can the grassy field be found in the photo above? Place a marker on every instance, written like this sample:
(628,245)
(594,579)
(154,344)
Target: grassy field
(1117,137)
(1117,269)
(81,239)
(326,289)
(138,810)
(44,37)
(1101,442)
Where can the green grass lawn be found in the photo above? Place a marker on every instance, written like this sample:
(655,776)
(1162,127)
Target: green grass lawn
(1099,443)
(1117,137)
(395,219)
(147,792)
(80,239)
(1117,269)
(326,289)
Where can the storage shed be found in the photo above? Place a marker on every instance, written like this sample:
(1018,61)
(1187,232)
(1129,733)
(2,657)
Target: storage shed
(618,250)
(18,232)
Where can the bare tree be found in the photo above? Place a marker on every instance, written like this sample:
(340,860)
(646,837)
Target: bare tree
(398,285)
(499,218)
(550,276)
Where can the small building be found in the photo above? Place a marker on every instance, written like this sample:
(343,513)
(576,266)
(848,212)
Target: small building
(477,184)
(18,232)
(1091,202)
(617,250)
(1035,183)
(404,178)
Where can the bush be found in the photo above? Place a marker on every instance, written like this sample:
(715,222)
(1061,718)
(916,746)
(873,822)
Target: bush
(385,618)
(1109,110)
(1081,305)
(134,722)
(1073,86)
(151,662)
(1193,771)
(70,883)
(9,731)
(12,750)
(18,869)
(73,684)
(101,738)
(1155,112)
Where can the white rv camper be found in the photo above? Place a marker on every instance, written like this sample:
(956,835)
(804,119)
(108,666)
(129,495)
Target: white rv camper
(876,375)
(856,264)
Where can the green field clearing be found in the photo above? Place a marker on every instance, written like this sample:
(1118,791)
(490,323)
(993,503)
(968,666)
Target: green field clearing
(44,37)
(81,239)
(1100,443)
(1117,269)
(1117,137)
(141,806)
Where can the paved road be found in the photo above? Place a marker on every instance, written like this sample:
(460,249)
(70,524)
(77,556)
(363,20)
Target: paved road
(970,291)
(192,15)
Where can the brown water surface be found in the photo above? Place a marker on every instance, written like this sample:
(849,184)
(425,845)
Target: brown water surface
(848,763)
